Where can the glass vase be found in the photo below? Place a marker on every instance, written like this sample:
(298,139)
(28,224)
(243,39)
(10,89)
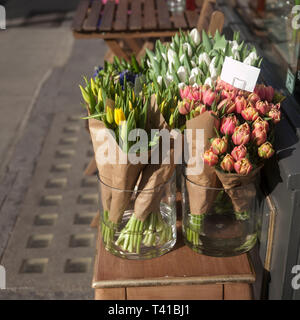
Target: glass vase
(147,224)
(229,225)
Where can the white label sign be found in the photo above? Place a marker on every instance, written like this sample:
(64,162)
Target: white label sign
(239,75)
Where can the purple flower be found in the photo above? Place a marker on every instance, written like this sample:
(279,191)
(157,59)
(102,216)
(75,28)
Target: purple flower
(97,70)
(130,77)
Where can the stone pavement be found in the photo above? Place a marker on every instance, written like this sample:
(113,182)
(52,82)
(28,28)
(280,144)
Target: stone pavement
(46,204)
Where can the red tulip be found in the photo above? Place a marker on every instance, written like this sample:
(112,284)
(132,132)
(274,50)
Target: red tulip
(266,150)
(269,93)
(239,152)
(253,98)
(240,104)
(219,145)
(228,104)
(210,158)
(250,114)
(209,96)
(275,114)
(228,124)
(243,166)
(262,107)
(241,134)
(185,107)
(227,164)
(260,123)
(265,93)
(259,136)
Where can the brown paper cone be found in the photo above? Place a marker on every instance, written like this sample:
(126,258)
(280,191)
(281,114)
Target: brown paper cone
(201,199)
(241,189)
(116,177)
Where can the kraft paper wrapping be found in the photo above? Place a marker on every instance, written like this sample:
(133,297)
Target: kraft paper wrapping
(154,176)
(200,198)
(116,176)
(241,189)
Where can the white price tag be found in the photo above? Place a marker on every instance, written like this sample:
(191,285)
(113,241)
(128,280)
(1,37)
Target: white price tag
(239,75)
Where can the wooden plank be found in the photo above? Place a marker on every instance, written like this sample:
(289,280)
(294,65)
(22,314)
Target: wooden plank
(149,21)
(216,22)
(179,20)
(121,16)
(192,18)
(135,45)
(194,292)
(110,294)
(107,16)
(164,21)
(93,17)
(80,15)
(205,14)
(114,46)
(237,291)
(135,18)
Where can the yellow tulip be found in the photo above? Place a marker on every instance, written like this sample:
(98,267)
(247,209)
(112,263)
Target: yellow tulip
(100,94)
(119,116)
(130,105)
(109,115)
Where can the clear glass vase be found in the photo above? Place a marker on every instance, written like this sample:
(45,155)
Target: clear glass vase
(228,226)
(146,227)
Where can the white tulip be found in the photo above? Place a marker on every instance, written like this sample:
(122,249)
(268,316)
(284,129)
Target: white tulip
(214,74)
(253,55)
(164,56)
(204,57)
(193,64)
(168,79)
(159,80)
(171,55)
(195,35)
(196,71)
(212,68)
(181,58)
(181,85)
(235,55)
(149,64)
(251,58)
(187,47)
(234,45)
(209,81)
(192,79)
(181,73)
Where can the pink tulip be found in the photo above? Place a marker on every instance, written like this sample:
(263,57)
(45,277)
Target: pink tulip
(239,152)
(210,158)
(260,123)
(266,150)
(241,134)
(262,107)
(275,114)
(228,124)
(265,93)
(227,163)
(185,107)
(229,94)
(219,145)
(269,93)
(240,104)
(253,98)
(243,166)
(209,96)
(243,93)
(250,114)
(201,108)
(191,93)
(228,104)
(259,136)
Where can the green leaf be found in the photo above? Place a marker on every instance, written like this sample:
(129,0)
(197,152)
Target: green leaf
(206,41)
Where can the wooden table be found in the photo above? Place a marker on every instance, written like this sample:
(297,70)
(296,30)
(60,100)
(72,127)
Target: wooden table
(133,21)
(179,274)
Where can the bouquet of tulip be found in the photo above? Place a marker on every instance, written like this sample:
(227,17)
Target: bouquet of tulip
(116,100)
(190,60)
(237,143)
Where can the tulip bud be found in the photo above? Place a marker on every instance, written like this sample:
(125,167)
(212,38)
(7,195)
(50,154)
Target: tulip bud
(219,145)
(239,152)
(262,107)
(260,123)
(227,164)
(240,104)
(266,150)
(109,115)
(269,93)
(229,94)
(195,36)
(210,158)
(275,114)
(187,47)
(182,73)
(259,136)
(209,81)
(199,110)
(185,107)
(260,91)
(119,116)
(228,105)
(253,98)
(241,134)
(171,56)
(228,124)
(250,114)
(204,57)
(209,96)
(159,80)
(243,166)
